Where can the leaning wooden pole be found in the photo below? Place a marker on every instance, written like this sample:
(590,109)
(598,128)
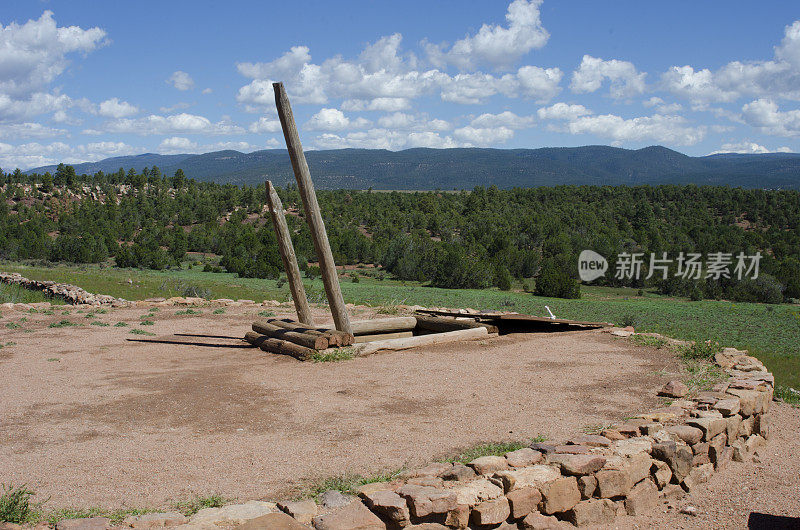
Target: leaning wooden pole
(288,257)
(313,215)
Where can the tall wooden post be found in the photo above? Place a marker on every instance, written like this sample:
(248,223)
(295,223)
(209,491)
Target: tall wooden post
(313,215)
(287,256)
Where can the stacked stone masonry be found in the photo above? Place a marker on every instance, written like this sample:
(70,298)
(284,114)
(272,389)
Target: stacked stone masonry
(629,468)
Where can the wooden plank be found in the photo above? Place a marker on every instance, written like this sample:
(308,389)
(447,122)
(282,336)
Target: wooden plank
(330,278)
(368,348)
(442,324)
(513,317)
(383,336)
(286,250)
(316,342)
(335,338)
(383,325)
(282,347)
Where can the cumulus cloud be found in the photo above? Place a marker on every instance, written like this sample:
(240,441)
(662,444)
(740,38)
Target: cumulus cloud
(495,45)
(34,154)
(207,91)
(483,136)
(334,120)
(176,123)
(378,104)
(38,103)
(764,114)
(179,144)
(505,119)
(33,54)
(29,130)
(181,80)
(114,108)
(748,147)
(418,122)
(562,111)
(265,125)
(384,139)
(625,81)
(671,130)
(775,78)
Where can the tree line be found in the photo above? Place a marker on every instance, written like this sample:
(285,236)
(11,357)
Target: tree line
(479,238)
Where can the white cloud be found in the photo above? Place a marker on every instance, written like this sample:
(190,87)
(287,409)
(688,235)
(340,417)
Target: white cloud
(207,91)
(505,119)
(625,81)
(37,103)
(179,144)
(562,111)
(694,85)
(384,139)
(33,54)
(29,130)
(176,123)
(265,125)
(114,108)
(181,80)
(420,122)
(764,114)
(748,147)
(177,106)
(334,120)
(529,82)
(483,136)
(495,45)
(25,156)
(671,130)
(381,104)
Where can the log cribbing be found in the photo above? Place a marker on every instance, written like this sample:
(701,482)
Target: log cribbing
(316,342)
(369,348)
(383,336)
(282,347)
(383,325)
(286,250)
(335,338)
(313,214)
(442,324)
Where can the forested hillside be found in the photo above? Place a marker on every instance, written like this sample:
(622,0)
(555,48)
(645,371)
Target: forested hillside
(448,169)
(479,238)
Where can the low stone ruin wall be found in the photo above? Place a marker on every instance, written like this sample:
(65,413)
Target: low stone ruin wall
(589,479)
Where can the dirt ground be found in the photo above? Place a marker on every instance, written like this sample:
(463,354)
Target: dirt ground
(90,418)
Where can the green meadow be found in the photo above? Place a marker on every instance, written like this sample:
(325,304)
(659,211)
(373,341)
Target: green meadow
(771,332)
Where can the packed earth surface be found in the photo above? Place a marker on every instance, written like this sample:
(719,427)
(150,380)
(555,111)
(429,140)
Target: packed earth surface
(93,416)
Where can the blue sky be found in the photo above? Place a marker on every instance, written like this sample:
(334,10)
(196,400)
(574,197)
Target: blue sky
(82,81)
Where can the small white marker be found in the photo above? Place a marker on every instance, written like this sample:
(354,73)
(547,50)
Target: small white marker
(551,313)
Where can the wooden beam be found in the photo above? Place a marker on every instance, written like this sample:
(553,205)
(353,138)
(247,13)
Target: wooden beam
(316,342)
(441,324)
(283,347)
(313,215)
(369,348)
(383,336)
(383,325)
(286,249)
(335,338)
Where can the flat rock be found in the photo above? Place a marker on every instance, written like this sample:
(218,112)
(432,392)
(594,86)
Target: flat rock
(233,514)
(273,521)
(572,449)
(642,499)
(612,483)
(304,510)
(632,446)
(486,465)
(423,500)
(333,499)
(523,457)
(353,516)
(587,485)
(687,433)
(560,495)
(537,476)
(538,521)
(491,512)
(678,458)
(674,389)
(592,512)
(578,464)
(389,505)
(590,440)
(459,472)
(709,425)
(477,491)
(523,501)
(728,407)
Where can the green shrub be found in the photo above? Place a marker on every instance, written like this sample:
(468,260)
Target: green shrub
(554,282)
(15,504)
(701,350)
(765,289)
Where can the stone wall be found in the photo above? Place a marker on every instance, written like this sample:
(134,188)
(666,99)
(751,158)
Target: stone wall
(589,479)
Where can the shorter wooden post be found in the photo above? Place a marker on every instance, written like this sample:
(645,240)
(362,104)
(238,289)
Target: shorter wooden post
(286,249)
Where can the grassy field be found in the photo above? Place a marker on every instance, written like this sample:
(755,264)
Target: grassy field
(771,332)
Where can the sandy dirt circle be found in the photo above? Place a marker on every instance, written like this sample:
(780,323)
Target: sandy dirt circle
(90,418)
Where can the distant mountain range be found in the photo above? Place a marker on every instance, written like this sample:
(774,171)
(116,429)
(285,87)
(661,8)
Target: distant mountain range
(446,169)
